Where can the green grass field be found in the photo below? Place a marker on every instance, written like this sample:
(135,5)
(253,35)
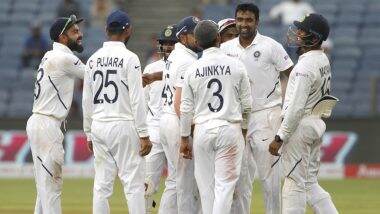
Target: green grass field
(17,196)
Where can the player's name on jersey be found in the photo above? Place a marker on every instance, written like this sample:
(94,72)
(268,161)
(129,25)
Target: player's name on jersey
(108,62)
(213,70)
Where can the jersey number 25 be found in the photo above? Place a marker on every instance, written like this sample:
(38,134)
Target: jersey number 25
(105,84)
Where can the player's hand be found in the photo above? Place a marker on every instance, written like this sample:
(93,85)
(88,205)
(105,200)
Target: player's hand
(274,147)
(146,146)
(146,79)
(185,149)
(89,146)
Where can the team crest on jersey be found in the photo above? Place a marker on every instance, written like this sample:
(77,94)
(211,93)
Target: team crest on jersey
(257,54)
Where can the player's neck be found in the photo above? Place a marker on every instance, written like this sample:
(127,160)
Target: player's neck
(115,38)
(304,50)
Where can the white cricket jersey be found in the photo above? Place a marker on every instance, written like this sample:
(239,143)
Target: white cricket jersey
(177,63)
(54,87)
(308,83)
(153,94)
(264,59)
(216,88)
(112,88)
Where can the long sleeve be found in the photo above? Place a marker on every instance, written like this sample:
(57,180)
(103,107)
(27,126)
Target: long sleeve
(295,109)
(87,104)
(136,95)
(245,95)
(147,89)
(72,65)
(187,107)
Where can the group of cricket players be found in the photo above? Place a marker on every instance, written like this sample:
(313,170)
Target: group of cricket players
(222,106)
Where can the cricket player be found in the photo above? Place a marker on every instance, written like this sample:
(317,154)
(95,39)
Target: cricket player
(53,94)
(216,94)
(227,29)
(265,60)
(300,134)
(156,160)
(180,191)
(114,117)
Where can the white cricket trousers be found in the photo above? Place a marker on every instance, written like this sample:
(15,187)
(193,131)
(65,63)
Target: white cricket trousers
(155,162)
(45,138)
(116,149)
(217,154)
(181,194)
(295,199)
(301,159)
(263,126)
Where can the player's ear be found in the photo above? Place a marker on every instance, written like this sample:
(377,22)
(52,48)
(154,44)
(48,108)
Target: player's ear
(63,38)
(128,31)
(182,38)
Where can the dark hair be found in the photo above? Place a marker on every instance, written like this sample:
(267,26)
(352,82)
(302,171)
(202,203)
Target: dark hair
(114,29)
(248,7)
(206,33)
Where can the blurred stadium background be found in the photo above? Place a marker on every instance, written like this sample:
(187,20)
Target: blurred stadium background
(350,147)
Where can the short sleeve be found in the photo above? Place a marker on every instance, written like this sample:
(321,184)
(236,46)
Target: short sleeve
(280,57)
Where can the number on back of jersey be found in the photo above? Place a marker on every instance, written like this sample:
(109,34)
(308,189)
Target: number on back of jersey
(216,94)
(167,94)
(37,85)
(105,82)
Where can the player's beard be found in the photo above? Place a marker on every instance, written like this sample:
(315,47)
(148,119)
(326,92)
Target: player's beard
(74,45)
(249,34)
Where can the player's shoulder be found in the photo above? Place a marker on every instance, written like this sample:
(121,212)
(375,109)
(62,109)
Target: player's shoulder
(180,60)
(63,59)
(63,56)
(95,55)
(304,67)
(269,41)
(229,44)
(155,66)
(126,53)
(313,59)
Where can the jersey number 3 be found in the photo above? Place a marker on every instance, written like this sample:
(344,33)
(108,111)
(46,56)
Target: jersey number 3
(37,87)
(216,94)
(105,83)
